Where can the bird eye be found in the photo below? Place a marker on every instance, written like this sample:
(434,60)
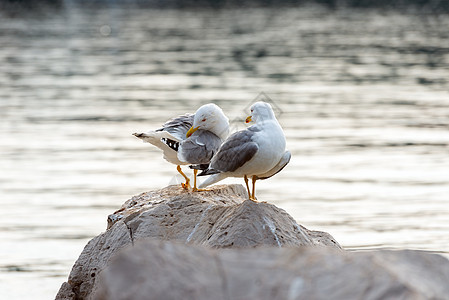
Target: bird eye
(203,120)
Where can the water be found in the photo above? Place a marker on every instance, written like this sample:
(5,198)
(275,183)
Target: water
(362,96)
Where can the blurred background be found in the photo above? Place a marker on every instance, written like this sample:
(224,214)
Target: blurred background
(361,89)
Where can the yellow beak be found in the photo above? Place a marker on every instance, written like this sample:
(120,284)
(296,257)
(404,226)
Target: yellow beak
(248,119)
(191,131)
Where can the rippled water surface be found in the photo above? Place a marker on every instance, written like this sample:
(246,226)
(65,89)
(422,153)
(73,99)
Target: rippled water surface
(362,96)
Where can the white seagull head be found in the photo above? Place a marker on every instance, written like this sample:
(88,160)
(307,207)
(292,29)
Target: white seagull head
(210,117)
(260,112)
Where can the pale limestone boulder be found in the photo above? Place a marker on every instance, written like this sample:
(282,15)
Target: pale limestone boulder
(168,270)
(219,218)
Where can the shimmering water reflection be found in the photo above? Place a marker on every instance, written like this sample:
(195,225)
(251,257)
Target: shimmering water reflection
(363,98)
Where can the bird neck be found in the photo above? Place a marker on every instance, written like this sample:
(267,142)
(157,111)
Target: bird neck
(221,130)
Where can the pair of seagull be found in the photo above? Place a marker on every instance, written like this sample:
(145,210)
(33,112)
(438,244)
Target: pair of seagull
(201,140)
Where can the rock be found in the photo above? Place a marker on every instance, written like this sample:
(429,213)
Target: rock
(219,218)
(65,292)
(168,270)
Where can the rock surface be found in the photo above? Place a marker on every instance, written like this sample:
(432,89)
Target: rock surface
(219,218)
(168,270)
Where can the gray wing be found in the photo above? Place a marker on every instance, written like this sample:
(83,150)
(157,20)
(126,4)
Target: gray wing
(199,148)
(178,126)
(235,152)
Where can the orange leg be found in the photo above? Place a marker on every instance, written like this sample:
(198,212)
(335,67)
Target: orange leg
(195,189)
(247,186)
(253,196)
(187,184)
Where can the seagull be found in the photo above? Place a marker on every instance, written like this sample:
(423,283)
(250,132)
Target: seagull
(257,152)
(190,138)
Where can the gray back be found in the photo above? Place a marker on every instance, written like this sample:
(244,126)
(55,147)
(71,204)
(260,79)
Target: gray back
(200,147)
(178,126)
(235,152)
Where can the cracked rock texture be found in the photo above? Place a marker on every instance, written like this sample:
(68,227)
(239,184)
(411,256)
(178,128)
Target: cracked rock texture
(168,270)
(219,218)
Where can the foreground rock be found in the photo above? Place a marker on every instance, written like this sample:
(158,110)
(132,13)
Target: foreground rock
(220,218)
(167,270)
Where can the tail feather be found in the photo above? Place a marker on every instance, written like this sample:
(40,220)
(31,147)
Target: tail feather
(164,141)
(155,137)
(199,166)
(213,179)
(208,172)
(149,137)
